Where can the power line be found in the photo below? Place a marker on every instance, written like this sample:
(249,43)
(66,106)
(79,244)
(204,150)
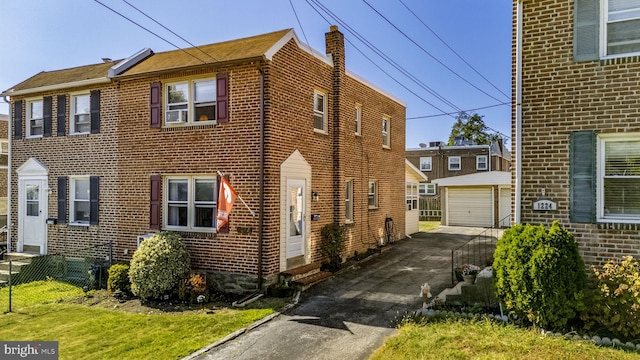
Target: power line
(299,23)
(152,33)
(169,30)
(454,113)
(452,50)
(428,53)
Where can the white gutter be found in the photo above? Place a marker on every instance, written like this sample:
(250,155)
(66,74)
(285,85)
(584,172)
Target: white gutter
(518,144)
(87,82)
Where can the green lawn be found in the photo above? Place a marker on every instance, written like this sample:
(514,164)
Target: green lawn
(427,226)
(466,339)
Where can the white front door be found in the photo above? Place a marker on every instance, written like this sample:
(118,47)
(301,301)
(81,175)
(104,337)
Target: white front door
(295,218)
(32,210)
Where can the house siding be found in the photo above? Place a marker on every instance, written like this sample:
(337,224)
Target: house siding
(560,96)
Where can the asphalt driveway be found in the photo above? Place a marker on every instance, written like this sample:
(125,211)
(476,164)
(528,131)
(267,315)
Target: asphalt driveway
(351,314)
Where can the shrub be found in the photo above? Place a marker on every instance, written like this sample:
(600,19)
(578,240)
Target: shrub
(333,243)
(615,299)
(159,265)
(118,278)
(539,274)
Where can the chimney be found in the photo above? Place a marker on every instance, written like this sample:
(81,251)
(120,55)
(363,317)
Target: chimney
(334,46)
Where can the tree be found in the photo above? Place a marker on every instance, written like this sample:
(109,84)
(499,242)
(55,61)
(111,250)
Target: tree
(472,127)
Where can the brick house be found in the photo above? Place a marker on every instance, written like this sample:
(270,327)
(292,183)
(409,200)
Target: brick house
(577,121)
(4,172)
(302,140)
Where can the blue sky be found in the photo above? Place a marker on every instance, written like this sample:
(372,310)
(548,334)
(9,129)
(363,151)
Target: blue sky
(41,35)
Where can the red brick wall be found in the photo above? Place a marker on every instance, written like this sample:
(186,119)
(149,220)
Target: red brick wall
(561,96)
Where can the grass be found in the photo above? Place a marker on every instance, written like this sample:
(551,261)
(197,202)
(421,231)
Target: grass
(38,292)
(93,332)
(427,226)
(466,339)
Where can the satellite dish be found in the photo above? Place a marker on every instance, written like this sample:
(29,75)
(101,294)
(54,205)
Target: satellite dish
(422,145)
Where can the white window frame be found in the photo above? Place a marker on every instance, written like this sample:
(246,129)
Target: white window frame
(348,201)
(602,215)
(425,163)
(4,152)
(72,200)
(479,162)
(458,161)
(411,195)
(318,112)
(191,202)
(30,117)
(191,103)
(386,133)
(358,119)
(604,21)
(372,193)
(427,189)
(72,113)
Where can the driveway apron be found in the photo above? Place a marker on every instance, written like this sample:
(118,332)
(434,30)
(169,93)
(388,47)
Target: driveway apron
(351,314)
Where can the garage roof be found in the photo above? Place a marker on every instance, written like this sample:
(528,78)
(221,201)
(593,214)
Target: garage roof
(477,179)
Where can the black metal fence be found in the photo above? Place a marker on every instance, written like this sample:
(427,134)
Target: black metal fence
(54,277)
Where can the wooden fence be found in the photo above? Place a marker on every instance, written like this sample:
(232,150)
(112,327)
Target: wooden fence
(430,209)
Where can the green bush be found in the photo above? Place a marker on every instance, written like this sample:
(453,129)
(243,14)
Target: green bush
(615,299)
(159,266)
(119,278)
(539,274)
(333,243)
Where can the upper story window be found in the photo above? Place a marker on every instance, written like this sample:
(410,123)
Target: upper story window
(358,116)
(80,114)
(4,153)
(482,162)
(427,189)
(35,122)
(621,35)
(348,201)
(190,101)
(372,194)
(190,203)
(386,136)
(425,163)
(320,111)
(619,178)
(454,163)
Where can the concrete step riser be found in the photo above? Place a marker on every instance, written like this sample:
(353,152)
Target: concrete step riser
(15,266)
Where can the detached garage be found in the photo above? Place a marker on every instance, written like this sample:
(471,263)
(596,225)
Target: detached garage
(478,200)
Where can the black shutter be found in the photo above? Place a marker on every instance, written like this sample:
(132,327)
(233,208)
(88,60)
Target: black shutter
(222,98)
(154,201)
(62,115)
(62,200)
(155,105)
(225,228)
(47,113)
(95,111)
(582,186)
(17,119)
(94,199)
(586,30)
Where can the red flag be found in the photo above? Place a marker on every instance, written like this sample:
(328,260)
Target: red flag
(226,198)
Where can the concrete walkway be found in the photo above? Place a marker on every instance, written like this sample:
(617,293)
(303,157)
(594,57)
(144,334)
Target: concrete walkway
(351,314)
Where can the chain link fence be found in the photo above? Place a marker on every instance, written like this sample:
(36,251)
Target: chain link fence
(30,280)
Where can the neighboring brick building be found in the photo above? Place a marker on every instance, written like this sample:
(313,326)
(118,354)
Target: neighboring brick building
(4,172)
(302,140)
(577,121)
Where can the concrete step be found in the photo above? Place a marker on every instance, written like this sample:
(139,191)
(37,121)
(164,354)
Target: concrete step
(308,281)
(15,265)
(4,275)
(300,272)
(23,257)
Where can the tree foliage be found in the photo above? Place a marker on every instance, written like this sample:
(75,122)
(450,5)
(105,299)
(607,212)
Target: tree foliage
(472,127)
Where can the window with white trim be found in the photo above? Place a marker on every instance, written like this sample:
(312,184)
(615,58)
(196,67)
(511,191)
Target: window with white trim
(618,183)
(358,118)
(80,114)
(190,203)
(386,137)
(319,111)
(481,162)
(425,163)
(454,163)
(80,200)
(621,31)
(4,154)
(35,122)
(348,201)
(372,194)
(427,189)
(411,195)
(190,102)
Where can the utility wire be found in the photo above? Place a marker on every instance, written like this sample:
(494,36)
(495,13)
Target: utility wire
(299,24)
(152,33)
(169,30)
(428,53)
(452,50)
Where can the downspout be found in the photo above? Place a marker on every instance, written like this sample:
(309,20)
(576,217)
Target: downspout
(518,180)
(9,132)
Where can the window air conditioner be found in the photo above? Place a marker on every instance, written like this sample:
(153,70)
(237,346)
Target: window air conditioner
(176,116)
(141,238)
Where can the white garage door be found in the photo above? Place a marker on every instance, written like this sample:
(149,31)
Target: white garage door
(470,206)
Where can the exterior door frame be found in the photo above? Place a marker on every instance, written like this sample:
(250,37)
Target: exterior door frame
(299,218)
(33,171)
